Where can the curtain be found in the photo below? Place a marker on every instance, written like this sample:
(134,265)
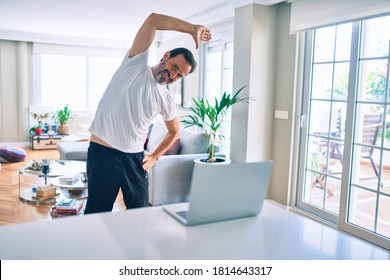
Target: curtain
(310,14)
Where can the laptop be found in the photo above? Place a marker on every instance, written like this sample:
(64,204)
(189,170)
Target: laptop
(224,192)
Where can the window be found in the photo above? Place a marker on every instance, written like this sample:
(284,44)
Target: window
(79,81)
(344,174)
(218,78)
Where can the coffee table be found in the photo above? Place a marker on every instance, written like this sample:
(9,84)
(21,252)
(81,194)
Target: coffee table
(30,180)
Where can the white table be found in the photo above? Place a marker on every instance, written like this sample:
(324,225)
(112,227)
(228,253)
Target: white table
(150,233)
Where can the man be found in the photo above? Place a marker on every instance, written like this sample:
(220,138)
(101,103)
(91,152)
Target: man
(134,97)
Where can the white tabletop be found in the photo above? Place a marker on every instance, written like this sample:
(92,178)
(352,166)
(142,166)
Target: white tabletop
(150,233)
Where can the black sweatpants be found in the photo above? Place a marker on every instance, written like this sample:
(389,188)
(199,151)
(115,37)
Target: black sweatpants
(108,170)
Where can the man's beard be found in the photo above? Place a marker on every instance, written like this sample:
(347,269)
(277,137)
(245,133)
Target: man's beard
(162,74)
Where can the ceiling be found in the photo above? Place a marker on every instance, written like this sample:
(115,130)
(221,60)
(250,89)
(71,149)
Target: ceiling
(101,22)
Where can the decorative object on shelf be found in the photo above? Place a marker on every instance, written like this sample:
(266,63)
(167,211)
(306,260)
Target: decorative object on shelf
(63,116)
(47,192)
(45,168)
(209,117)
(34,166)
(41,123)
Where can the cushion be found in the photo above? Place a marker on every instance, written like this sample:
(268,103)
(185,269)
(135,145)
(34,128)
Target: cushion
(12,154)
(174,149)
(147,137)
(156,135)
(192,141)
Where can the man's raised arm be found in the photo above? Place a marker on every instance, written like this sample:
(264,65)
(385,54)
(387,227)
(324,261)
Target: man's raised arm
(154,22)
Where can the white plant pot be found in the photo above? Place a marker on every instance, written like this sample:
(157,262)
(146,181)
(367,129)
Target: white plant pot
(220,161)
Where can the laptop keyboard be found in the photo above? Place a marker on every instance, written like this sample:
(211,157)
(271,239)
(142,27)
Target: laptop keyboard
(182,214)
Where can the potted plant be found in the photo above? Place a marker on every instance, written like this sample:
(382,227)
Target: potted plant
(63,116)
(209,116)
(38,129)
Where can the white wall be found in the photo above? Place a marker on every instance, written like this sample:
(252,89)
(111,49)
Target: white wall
(265,62)
(254,56)
(15,90)
(284,100)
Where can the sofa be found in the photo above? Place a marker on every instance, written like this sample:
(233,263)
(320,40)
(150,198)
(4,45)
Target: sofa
(170,178)
(73,150)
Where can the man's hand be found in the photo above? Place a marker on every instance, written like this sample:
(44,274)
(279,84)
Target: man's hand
(173,131)
(201,33)
(154,22)
(148,162)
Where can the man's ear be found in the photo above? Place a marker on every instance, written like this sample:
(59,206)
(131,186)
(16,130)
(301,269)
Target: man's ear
(166,56)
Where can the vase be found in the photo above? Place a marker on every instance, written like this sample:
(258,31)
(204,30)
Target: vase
(38,131)
(62,129)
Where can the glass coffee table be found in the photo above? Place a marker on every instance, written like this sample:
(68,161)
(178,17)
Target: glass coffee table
(30,180)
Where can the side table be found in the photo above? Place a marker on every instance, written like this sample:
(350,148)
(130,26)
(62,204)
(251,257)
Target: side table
(28,180)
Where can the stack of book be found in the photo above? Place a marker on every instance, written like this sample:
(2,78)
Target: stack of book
(69,179)
(45,192)
(68,206)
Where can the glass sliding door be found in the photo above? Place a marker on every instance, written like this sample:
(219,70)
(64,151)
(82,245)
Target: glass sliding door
(367,207)
(328,64)
(344,167)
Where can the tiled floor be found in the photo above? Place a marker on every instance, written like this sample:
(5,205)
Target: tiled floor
(364,201)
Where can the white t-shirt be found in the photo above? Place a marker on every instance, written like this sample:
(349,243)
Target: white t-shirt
(130,103)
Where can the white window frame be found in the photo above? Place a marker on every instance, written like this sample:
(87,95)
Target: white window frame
(219,40)
(341,220)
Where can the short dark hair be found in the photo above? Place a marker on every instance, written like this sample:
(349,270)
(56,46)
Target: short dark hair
(187,55)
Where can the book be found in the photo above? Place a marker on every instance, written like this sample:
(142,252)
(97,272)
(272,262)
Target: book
(69,211)
(69,179)
(76,204)
(66,201)
(64,211)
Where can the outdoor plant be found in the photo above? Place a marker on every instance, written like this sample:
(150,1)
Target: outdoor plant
(209,116)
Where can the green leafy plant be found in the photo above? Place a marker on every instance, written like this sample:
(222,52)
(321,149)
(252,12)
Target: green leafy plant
(387,133)
(209,117)
(37,129)
(315,164)
(64,115)
(376,84)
